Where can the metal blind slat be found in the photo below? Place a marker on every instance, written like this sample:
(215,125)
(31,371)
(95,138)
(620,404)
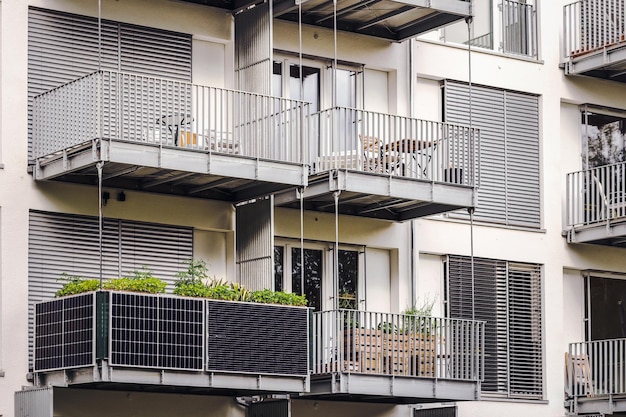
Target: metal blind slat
(509,157)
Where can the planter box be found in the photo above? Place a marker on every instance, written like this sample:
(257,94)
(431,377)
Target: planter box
(376,351)
(133,330)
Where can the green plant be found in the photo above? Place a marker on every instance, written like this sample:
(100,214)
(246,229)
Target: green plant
(387,327)
(417,319)
(141,280)
(277,297)
(76,285)
(196,271)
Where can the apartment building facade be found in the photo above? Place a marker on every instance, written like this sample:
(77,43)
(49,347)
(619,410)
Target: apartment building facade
(331,149)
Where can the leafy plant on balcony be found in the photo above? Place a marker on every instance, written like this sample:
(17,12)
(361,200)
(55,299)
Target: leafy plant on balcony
(417,319)
(278,297)
(140,280)
(76,285)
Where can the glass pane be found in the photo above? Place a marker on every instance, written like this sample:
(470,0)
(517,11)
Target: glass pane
(310,85)
(278,268)
(604,137)
(608,304)
(348,279)
(312,275)
(346,88)
(482,27)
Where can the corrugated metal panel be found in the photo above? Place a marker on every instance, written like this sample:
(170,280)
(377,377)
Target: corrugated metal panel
(509,154)
(63,47)
(280,408)
(34,402)
(253,49)
(60,243)
(257,338)
(255,244)
(507,296)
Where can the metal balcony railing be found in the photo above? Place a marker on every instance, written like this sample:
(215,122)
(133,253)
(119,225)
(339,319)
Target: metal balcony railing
(519,28)
(591,25)
(596,369)
(363,342)
(128,107)
(394,145)
(596,195)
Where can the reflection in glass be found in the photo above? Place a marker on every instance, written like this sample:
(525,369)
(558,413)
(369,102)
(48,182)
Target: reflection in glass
(279,267)
(310,85)
(312,275)
(348,279)
(608,308)
(604,137)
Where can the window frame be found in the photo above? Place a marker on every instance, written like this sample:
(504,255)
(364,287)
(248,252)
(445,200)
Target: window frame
(328,290)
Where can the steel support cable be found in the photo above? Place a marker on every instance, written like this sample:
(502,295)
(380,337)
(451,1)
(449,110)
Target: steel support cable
(468,20)
(99,166)
(301,192)
(336,254)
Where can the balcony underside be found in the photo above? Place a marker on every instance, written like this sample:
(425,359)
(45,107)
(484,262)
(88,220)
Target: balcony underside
(387,19)
(390,389)
(601,405)
(379,196)
(171,170)
(600,234)
(605,63)
(164,380)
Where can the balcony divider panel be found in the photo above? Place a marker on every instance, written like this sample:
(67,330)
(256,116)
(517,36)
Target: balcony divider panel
(253,48)
(255,244)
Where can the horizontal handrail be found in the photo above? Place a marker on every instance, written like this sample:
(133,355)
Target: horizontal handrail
(136,108)
(596,195)
(364,342)
(591,25)
(596,368)
(394,145)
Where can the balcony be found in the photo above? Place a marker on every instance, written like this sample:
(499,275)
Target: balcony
(595,377)
(595,39)
(117,340)
(395,358)
(395,20)
(596,206)
(387,167)
(169,137)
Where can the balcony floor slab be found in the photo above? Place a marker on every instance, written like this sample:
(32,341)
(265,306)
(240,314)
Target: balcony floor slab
(605,63)
(391,389)
(171,170)
(599,234)
(379,196)
(126,378)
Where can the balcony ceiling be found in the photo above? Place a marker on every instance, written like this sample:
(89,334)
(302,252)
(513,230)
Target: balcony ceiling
(387,19)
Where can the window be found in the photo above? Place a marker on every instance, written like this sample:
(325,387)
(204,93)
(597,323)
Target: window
(604,137)
(509,150)
(509,26)
(507,296)
(605,314)
(314,277)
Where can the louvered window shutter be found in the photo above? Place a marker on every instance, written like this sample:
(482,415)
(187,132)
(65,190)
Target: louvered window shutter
(63,47)
(509,151)
(508,298)
(525,334)
(61,243)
